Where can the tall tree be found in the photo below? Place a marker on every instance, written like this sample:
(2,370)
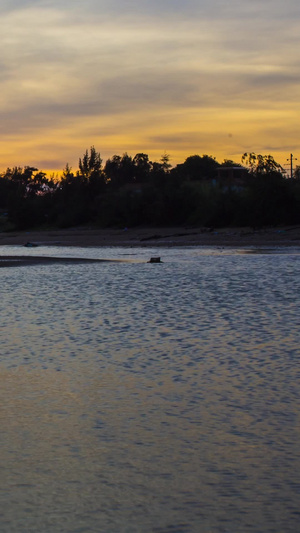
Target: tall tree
(90,169)
(91,163)
(142,167)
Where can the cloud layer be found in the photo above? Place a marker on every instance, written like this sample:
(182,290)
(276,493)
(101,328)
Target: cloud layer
(204,77)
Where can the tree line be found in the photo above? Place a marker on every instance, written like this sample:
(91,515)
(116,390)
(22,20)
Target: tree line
(129,191)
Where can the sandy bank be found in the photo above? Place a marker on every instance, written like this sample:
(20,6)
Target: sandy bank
(23,260)
(153,237)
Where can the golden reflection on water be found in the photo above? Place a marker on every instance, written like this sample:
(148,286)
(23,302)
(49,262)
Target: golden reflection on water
(80,448)
(46,443)
(150,403)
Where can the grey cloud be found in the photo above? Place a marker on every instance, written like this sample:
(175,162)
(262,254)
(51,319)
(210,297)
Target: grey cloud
(49,163)
(183,140)
(271,148)
(211,8)
(166,9)
(194,88)
(12,5)
(39,117)
(144,91)
(112,57)
(169,9)
(274,80)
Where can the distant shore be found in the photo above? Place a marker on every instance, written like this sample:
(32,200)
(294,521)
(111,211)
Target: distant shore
(155,237)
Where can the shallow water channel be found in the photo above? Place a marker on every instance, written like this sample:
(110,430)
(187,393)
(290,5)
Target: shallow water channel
(141,397)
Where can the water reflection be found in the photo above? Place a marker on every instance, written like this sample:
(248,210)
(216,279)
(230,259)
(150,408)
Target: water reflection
(137,398)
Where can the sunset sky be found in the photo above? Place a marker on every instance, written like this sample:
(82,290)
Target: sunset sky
(217,77)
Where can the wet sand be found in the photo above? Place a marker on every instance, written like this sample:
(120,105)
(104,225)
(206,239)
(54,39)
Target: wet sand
(150,237)
(23,260)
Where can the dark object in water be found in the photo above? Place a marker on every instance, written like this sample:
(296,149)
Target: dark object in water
(155,260)
(30,245)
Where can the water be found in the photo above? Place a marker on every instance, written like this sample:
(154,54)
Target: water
(140,397)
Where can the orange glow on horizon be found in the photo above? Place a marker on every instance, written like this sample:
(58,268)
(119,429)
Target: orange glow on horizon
(182,82)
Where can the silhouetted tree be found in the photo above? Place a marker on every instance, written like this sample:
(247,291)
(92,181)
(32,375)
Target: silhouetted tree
(198,167)
(185,194)
(142,167)
(165,162)
(261,164)
(119,170)
(90,164)
(297,173)
(230,163)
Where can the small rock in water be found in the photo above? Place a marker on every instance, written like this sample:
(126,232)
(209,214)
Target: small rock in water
(154,260)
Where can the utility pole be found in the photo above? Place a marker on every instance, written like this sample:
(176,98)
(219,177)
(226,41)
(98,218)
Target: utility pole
(290,160)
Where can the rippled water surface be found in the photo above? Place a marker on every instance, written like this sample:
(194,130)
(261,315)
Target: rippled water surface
(142,397)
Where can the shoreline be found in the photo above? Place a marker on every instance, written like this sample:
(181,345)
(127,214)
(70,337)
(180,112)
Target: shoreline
(155,237)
